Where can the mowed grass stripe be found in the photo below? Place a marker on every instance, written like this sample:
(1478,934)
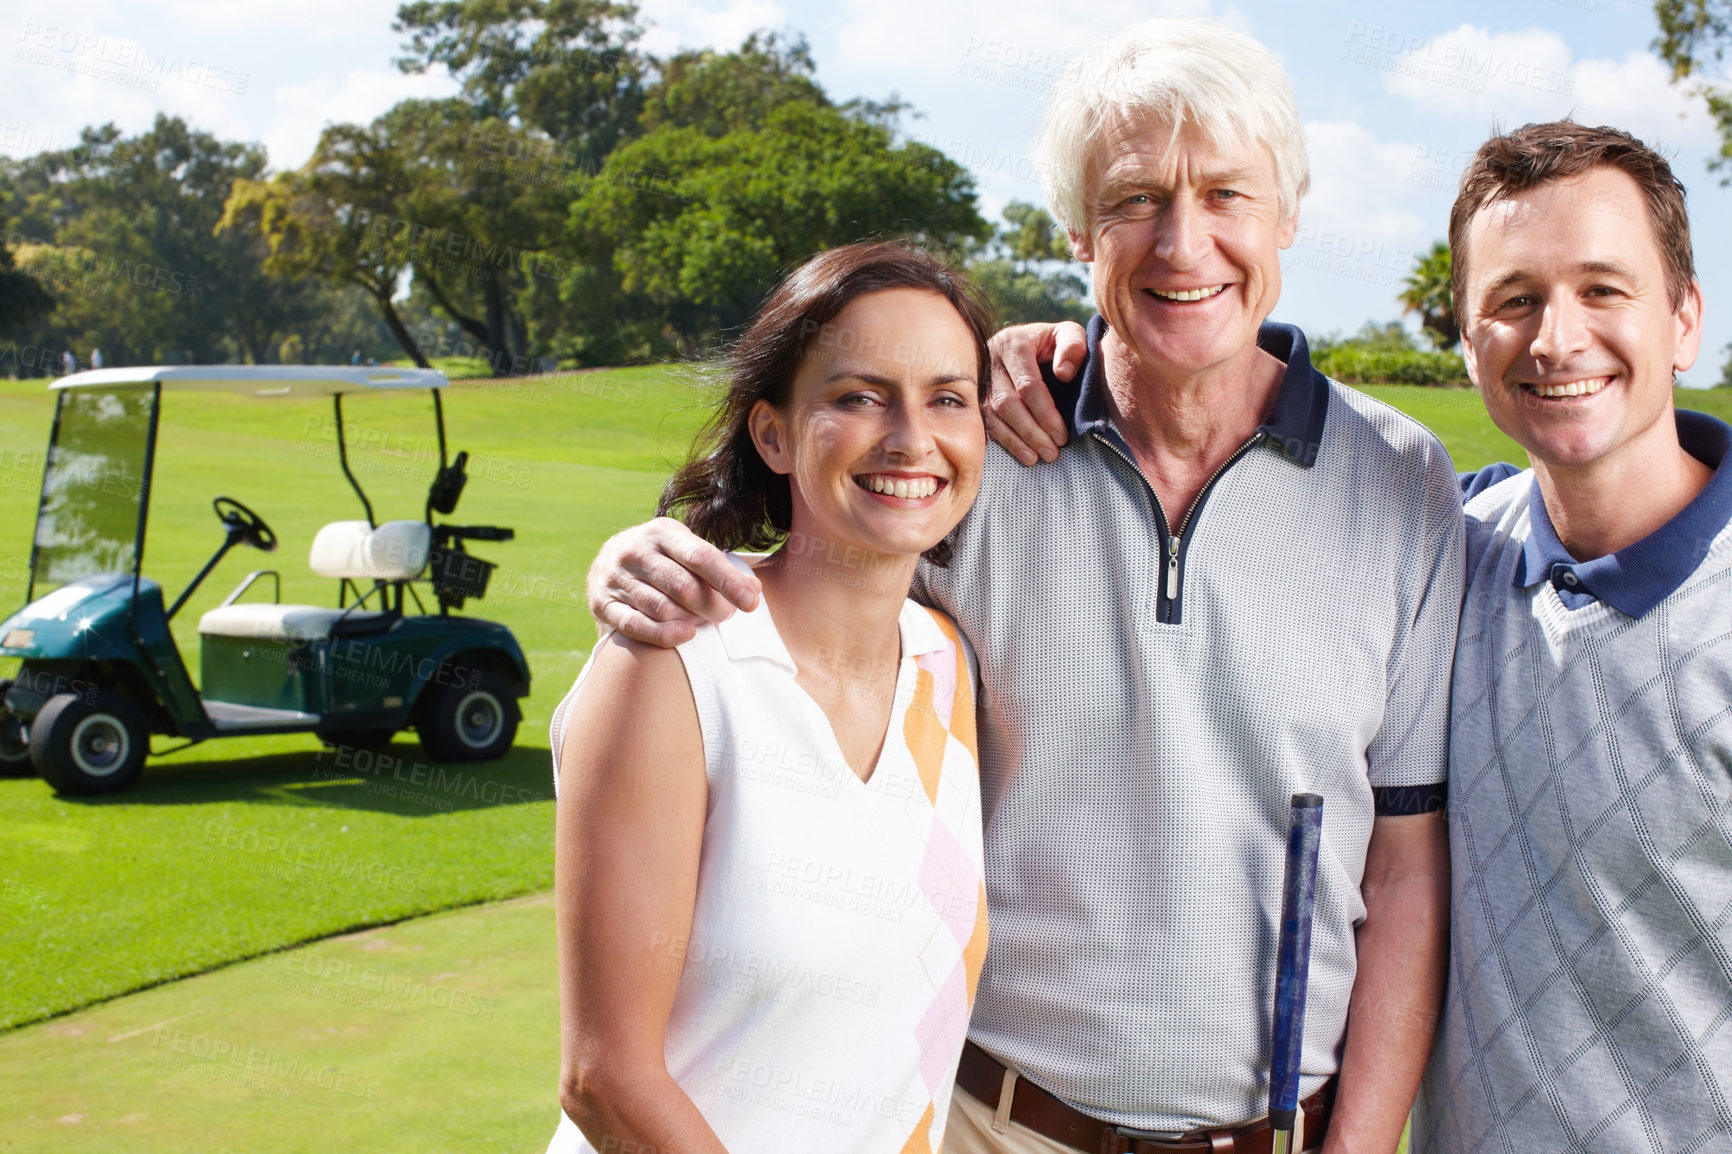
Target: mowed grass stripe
(436,1034)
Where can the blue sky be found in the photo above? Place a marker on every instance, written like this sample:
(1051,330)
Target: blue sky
(1394,96)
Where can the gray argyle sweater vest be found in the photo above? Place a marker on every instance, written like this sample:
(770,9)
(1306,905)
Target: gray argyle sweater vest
(1590,984)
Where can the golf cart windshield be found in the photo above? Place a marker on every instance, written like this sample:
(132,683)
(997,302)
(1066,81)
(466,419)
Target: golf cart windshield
(94,488)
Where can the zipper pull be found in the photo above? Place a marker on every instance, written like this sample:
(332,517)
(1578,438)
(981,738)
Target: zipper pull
(1173,567)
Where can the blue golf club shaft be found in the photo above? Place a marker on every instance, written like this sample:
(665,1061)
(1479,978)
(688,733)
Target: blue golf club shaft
(1293,964)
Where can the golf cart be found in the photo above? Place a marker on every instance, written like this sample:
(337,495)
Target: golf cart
(101,671)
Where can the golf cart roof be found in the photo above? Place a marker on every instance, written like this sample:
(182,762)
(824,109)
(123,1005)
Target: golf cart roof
(257,380)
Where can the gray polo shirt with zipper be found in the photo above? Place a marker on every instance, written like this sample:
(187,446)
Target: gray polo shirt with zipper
(1153,695)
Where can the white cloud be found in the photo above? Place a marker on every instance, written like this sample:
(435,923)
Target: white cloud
(1033,36)
(1514,78)
(683,24)
(304,110)
(61,78)
(1365,219)
(1636,94)
(313,18)
(1518,76)
(1359,184)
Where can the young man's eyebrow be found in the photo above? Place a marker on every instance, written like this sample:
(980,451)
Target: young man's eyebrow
(1507,281)
(1520,276)
(1608,267)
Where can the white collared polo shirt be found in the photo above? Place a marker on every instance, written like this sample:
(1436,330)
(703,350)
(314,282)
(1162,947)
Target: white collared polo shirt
(840,925)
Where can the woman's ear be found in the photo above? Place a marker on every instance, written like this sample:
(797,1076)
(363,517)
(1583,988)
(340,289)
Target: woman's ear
(769,434)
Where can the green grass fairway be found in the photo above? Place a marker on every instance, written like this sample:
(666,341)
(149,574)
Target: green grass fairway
(244,845)
(237,847)
(437,1034)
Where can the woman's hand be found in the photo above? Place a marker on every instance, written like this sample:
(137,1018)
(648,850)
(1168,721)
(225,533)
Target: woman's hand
(657,582)
(1020,414)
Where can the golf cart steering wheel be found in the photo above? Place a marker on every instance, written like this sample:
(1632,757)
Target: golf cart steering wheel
(251,527)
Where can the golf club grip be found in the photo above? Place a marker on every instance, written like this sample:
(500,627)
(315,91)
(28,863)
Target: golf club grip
(1293,959)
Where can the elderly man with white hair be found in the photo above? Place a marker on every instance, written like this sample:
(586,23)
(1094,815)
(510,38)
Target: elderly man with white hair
(1238,582)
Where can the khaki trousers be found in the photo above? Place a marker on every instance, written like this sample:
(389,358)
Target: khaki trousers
(969,1131)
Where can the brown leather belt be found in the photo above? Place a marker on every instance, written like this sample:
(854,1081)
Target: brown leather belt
(983,1076)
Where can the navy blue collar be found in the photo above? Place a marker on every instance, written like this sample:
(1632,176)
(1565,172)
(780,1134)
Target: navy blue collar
(1296,426)
(1640,576)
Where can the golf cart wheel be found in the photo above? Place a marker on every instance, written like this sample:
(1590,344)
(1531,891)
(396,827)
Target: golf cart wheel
(14,750)
(473,722)
(85,745)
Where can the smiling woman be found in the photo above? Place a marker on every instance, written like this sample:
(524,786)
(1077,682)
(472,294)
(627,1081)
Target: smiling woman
(769,839)
(732,496)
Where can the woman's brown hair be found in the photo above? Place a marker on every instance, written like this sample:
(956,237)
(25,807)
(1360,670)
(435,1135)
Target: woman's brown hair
(725,493)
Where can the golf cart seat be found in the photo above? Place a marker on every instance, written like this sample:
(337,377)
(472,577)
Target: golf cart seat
(294,624)
(346,550)
(355,551)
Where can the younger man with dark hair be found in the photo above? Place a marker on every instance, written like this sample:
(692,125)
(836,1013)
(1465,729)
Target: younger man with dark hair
(1590,986)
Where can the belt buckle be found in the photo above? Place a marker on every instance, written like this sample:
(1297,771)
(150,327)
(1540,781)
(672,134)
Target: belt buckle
(1130,1136)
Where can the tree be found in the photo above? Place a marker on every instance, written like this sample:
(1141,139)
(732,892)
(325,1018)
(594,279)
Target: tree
(567,69)
(722,92)
(119,229)
(342,216)
(1386,354)
(740,179)
(548,88)
(1694,34)
(1015,269)
(22,298)
(1428,292)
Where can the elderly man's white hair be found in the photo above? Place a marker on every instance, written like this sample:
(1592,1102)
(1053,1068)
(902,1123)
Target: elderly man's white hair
(1180,71)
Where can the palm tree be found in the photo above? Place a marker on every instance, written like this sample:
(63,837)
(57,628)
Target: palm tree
(1428,294)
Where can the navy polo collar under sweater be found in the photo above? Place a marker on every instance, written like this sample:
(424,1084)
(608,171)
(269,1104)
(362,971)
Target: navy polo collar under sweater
(1640,576)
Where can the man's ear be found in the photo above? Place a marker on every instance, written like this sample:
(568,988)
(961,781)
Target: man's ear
(1080,245)
(1471,359)
(1289,231)
(770,435)
(1687,329)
